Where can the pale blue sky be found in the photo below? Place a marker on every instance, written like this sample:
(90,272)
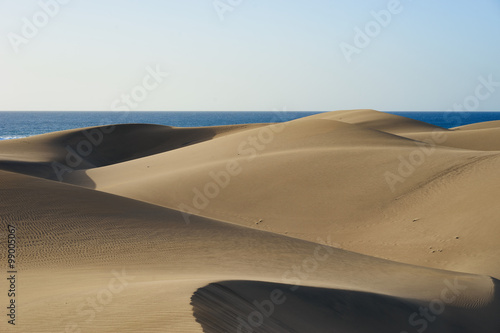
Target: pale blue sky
(264,55)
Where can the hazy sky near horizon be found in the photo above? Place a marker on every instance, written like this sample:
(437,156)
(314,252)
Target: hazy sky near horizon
(249,55)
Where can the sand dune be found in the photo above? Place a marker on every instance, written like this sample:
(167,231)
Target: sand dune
(380,121)
(332,310)
(98,146)
(349,221)
(362,185)
(485,139)
(82,236)
(484,125)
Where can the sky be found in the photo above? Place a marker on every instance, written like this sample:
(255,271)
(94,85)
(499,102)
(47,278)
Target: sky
(249,55)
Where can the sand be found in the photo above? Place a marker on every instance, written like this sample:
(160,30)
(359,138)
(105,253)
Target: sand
(348,221)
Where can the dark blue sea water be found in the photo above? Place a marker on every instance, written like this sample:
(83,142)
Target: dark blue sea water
(22,124)
(451,119)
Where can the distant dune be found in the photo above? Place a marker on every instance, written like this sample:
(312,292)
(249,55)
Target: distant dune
(348,221)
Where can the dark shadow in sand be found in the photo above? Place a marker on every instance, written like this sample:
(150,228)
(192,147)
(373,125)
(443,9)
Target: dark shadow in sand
(258,307)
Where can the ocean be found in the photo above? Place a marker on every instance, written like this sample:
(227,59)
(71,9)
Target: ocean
(22,124)
(451,119)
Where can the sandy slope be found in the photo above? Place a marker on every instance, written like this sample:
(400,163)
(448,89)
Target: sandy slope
(336,310)
(314,175)
(379,185)
(97,146)
(484,125)
(473,138)
(380,121)
(75,242)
